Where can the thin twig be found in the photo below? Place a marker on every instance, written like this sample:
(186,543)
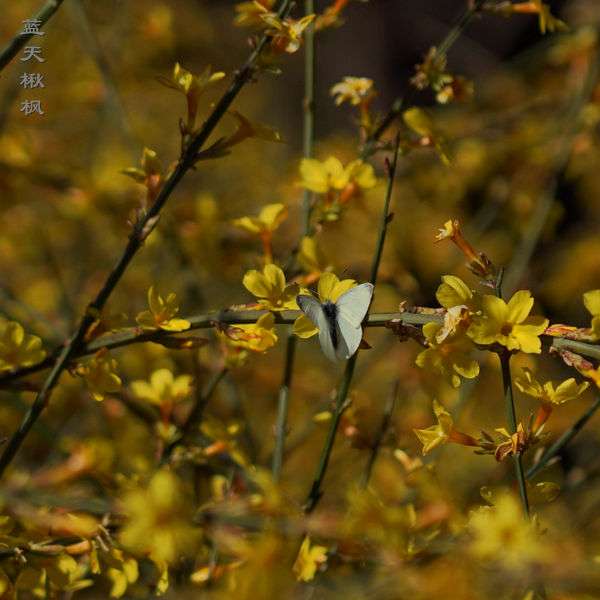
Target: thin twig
(135,335)
(315,492)
(308,141)
(195,417)
(139,232)
(283,407)
(512,422)
(18,42)
(443,48)
(563,440)
(509,401)
(385,424)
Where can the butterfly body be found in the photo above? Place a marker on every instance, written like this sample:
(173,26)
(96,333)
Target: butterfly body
(330,310)
(339,322)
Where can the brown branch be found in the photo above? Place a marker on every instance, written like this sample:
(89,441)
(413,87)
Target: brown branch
(18,42)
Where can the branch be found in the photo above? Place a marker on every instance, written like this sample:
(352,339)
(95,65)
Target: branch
(315,493)
(444,47)
(308,134)
(140,231)
(135,335)
(18,42)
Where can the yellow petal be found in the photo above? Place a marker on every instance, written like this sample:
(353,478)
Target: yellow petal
(327,283)
(272,215)
(453,292)
(250,224)
(338,177)
(256,283)
(175,325)
(154,300)
(592,302)
(495,309)
(304,328)
(519,306)
(275,277)
(418,121)
(314,175)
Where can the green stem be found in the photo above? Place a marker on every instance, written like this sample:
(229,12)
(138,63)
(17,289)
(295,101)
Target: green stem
(195,417)
(139,233)
(283,407)
(133,335)
(308,126)
(315,493)
(564,439)
(308,142)
(19,41)
(512,421)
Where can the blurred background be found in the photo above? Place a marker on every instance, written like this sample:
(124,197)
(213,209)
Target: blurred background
(523,179)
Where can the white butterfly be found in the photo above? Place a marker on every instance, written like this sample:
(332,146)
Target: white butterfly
(339,323)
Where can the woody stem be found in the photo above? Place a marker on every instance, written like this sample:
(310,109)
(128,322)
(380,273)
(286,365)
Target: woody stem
(512,422)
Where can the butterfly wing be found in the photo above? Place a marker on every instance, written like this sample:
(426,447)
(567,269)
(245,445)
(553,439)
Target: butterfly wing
(313,309)
(354,303)
(352,306)
(348,336)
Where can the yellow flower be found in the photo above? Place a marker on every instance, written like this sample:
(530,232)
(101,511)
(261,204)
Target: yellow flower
(163,388)
(192,87)
(322,177)
(309,558)
(450,355)
(268,220)
(454,292)
(547,392)
(271,288)
(439,434)
(99,375)
(286,34)
(508,324)
(151,168)
(546,20)
(352,89)
(418,121)
(121,570)
(501,534)
(159,521)
(592,303)
(330,288)
(18,349)
(161,314)
(257,337)
(249,13)
(311,259)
